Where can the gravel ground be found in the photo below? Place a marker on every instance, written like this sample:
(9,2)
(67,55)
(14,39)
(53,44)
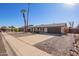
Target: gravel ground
(75,49)
(58,46)
(2,48)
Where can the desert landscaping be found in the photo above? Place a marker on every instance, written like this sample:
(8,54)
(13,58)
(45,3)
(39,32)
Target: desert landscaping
(55,45)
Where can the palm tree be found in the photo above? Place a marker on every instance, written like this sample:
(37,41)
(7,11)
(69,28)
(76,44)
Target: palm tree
(23,12)
(26,21)
(71,24)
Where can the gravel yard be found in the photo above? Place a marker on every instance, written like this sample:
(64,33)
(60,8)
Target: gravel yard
(57,46)
(75,49)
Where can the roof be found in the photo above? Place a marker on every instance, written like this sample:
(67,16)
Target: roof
(52,25)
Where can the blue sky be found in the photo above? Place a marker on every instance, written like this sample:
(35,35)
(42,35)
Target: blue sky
(39,14)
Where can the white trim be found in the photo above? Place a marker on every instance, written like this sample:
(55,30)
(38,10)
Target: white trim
(45,29)
(62,30)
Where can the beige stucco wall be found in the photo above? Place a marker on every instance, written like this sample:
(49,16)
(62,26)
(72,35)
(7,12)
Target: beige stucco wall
(62,30)
(45,29)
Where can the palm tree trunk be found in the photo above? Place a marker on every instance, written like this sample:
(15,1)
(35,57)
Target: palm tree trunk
(24,23)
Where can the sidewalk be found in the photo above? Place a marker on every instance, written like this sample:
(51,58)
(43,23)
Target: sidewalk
(23,49)
(2,47)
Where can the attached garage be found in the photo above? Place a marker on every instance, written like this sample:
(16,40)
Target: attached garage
(54,30)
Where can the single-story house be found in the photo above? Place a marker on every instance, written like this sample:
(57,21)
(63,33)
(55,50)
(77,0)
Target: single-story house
(59,28)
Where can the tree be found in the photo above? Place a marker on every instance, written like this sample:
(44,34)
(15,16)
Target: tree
(20,29)
(26,21)
(23,12)
(71,24)
(11,28)
(3,28)
(16,29)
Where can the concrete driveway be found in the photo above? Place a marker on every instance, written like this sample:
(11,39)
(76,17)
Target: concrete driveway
(33,39)
(23,49)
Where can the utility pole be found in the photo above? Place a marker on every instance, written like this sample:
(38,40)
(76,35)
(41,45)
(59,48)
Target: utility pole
(28,15)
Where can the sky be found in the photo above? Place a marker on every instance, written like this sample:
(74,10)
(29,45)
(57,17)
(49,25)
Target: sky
(39,13)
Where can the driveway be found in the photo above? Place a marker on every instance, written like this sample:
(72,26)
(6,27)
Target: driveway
(33,39)
(23,49)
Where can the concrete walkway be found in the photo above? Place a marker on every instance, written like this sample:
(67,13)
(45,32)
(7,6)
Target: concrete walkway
(22,49)
(33,39)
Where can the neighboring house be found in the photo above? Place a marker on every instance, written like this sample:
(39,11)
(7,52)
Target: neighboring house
(74,30)
(59,28)
(22,28)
